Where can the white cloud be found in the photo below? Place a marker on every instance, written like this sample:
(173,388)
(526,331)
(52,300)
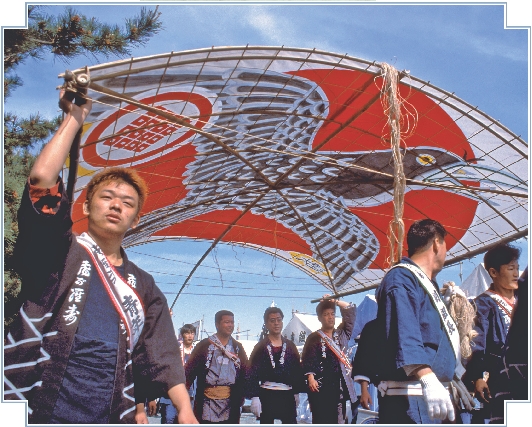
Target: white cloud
(278,27)
(271,26)
(485,46)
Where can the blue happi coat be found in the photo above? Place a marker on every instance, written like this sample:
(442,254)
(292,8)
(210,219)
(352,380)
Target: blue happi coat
(489,343)
(491,326)
(412,333)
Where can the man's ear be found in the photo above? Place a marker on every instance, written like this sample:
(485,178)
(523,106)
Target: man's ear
(435,245)
(86,208)
(135,221)
(492,272)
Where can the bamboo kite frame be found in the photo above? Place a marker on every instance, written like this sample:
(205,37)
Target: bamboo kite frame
(370,67)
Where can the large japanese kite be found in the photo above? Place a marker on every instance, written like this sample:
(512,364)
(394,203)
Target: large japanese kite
(286,151)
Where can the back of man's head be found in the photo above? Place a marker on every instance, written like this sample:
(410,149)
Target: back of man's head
(127,175)
(422,233)
(501,254)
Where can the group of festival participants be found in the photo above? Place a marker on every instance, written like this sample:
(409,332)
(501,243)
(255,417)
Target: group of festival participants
(94,339)
(220,375)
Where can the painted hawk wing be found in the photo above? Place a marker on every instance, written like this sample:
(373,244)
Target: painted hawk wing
(269,121)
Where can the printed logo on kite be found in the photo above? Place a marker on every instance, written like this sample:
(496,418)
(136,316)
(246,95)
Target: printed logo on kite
(309,263)
(131,136)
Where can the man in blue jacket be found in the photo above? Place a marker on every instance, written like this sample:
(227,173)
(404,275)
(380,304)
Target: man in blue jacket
(494,314)
(416,356)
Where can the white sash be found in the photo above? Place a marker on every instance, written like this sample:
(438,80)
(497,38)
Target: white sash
(504,307)
(336,351)
(447,320)
(233,357)
(125,300)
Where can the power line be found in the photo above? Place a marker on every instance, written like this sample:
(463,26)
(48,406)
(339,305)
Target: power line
(237,295)
(225,280)
(215,268)
(247,288)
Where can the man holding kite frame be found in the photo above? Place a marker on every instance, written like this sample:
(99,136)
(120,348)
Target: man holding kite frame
(93,327)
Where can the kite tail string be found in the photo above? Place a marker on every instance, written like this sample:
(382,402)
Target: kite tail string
(392,103)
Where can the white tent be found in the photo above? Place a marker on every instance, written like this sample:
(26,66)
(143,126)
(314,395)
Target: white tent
(303,324)
(477,282)
(248,345)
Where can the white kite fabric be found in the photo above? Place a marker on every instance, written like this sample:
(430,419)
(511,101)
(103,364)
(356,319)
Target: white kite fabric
(288,151)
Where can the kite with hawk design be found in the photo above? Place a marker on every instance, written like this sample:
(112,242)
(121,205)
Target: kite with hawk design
(288,151)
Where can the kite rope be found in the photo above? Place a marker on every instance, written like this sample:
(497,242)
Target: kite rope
(463,313)
(392,103)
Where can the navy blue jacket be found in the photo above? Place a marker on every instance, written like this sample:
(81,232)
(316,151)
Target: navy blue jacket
(38,345)
(410,327)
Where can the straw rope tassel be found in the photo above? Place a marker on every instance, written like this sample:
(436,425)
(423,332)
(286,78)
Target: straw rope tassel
(392,108)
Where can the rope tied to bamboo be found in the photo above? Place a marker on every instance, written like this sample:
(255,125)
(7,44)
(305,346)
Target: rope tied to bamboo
(401,122)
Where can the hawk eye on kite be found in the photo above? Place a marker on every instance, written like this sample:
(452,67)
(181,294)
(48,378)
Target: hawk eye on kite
(302,154)
(426,160)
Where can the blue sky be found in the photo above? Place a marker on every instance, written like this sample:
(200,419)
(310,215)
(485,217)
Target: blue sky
(461,48)
(464,49)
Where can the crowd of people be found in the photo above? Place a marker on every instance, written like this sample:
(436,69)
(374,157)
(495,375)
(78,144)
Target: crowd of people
(94,340)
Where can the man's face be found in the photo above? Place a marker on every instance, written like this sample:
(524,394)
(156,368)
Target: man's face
(274,324)
(188,338)
(327,318)
(226,325)
(507,276)
(113,208)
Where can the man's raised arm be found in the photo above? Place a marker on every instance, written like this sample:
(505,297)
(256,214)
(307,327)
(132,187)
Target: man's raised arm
(54,154)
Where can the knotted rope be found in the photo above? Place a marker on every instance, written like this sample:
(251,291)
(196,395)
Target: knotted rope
(463,314)
(401,121)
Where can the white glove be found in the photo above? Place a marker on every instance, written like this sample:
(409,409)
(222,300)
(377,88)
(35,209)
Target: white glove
(437,398)
(256,407)
(296,397)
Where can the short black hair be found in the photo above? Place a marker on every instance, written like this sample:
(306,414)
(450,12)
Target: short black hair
(187,327)
(501,254)
(272,310)
(324,305)
(218,316)
(423,232)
